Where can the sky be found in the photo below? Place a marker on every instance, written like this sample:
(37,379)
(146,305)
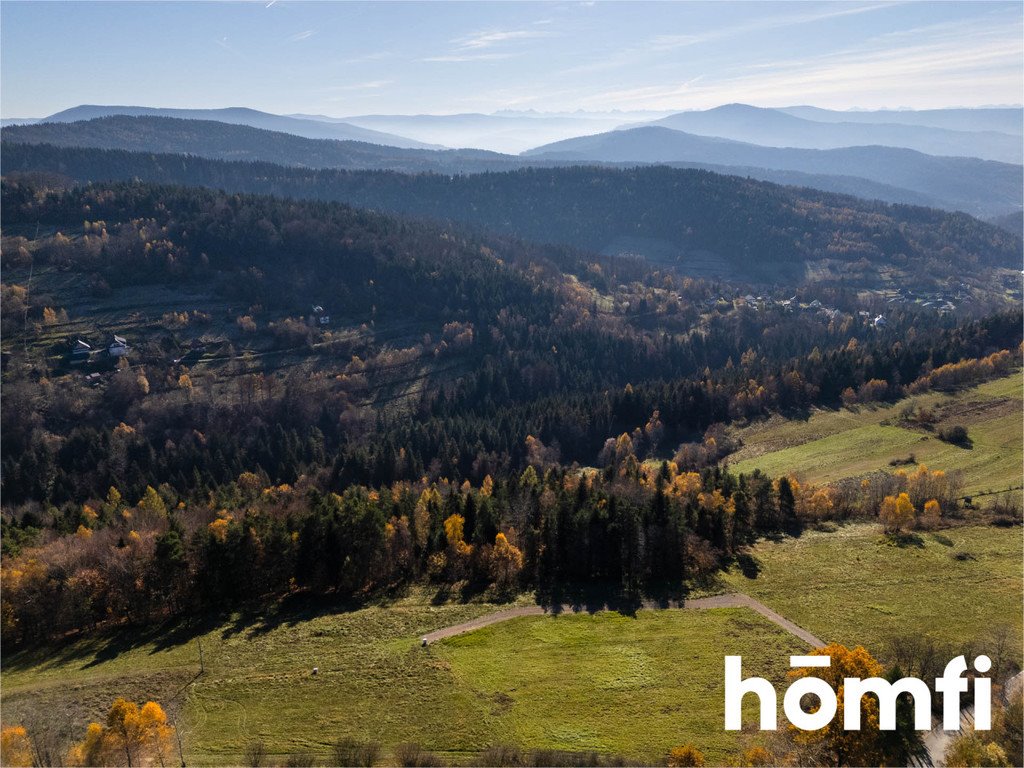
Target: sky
(353,58)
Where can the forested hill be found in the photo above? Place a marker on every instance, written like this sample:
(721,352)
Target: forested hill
(885,173)
(485,341)
(757,230)
(964,183)
(228,141)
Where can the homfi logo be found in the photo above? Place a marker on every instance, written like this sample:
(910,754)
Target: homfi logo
(951,685)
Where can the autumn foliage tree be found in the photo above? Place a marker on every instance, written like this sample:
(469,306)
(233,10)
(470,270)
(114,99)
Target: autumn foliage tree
(833,744)
(15,747)
(685,756)
(896,513)
(132,736)
(506,563)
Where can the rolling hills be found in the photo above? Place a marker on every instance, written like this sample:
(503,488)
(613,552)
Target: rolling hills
(761,231)
(979,187)
(778,128)
(310,129)
(225,141)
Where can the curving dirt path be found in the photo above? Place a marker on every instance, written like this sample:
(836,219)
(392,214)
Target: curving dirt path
(735,600)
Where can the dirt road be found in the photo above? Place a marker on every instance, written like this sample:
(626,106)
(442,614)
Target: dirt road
(736,600)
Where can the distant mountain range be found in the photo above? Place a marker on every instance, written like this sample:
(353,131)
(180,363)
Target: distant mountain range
(310,129)
(1001,119)
(979,187)
(891,174)
(507,132)
(777,128)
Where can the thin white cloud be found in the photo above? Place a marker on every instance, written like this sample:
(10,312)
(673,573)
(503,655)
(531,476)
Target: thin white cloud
(836,10)
(458,57)
(304,35)
(915,65)
(490,38)
(477,46)
(369,85)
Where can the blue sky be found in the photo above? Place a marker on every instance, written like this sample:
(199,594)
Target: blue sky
(393,57)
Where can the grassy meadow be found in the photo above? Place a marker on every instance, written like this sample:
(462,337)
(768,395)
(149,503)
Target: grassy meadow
(630,685)
(832,445)
(857,587)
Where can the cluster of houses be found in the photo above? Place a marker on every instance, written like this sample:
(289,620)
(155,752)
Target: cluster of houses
(82,353)
(943,302)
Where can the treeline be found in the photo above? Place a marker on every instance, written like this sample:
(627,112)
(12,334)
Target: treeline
(632,528)
(764,230)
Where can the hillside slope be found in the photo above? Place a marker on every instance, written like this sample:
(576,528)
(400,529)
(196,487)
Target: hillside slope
(221,141)
(777,128)
(979,187)
(310,129)
(757,230)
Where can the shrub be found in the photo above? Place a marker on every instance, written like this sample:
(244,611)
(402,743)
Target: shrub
(255,754)
(414,756)
(501,755)
(351,752)
(686,756)
(956,435)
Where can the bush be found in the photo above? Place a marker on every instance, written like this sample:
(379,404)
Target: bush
(351,752)
(956,435)
(255,755)
(501,755)
(414,756)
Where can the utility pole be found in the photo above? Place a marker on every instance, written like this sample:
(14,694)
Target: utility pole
(181,753)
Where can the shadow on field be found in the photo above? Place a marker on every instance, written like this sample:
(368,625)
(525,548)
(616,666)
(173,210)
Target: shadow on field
(592,598)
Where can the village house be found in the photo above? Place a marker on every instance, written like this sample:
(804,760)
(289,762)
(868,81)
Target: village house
(79,353)
(118,347)
(319,317)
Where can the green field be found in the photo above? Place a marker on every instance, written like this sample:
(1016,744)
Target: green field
(634,686)
(630,686)
(626,685)
(832,445)
(855,586)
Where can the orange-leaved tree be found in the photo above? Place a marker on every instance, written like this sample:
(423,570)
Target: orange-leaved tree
(506,562)
(133,734)
(15,747)
(686,756)
(836,745)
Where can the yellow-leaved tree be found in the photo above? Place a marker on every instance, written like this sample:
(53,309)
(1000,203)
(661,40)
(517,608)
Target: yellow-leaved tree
(506,562)
(896,513)
(834,744)
(15,747)
(135,735)
(686,756)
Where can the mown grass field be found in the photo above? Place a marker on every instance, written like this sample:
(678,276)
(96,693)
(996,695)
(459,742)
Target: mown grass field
(635,686)
(832,445)
(629,685)
(856,587)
